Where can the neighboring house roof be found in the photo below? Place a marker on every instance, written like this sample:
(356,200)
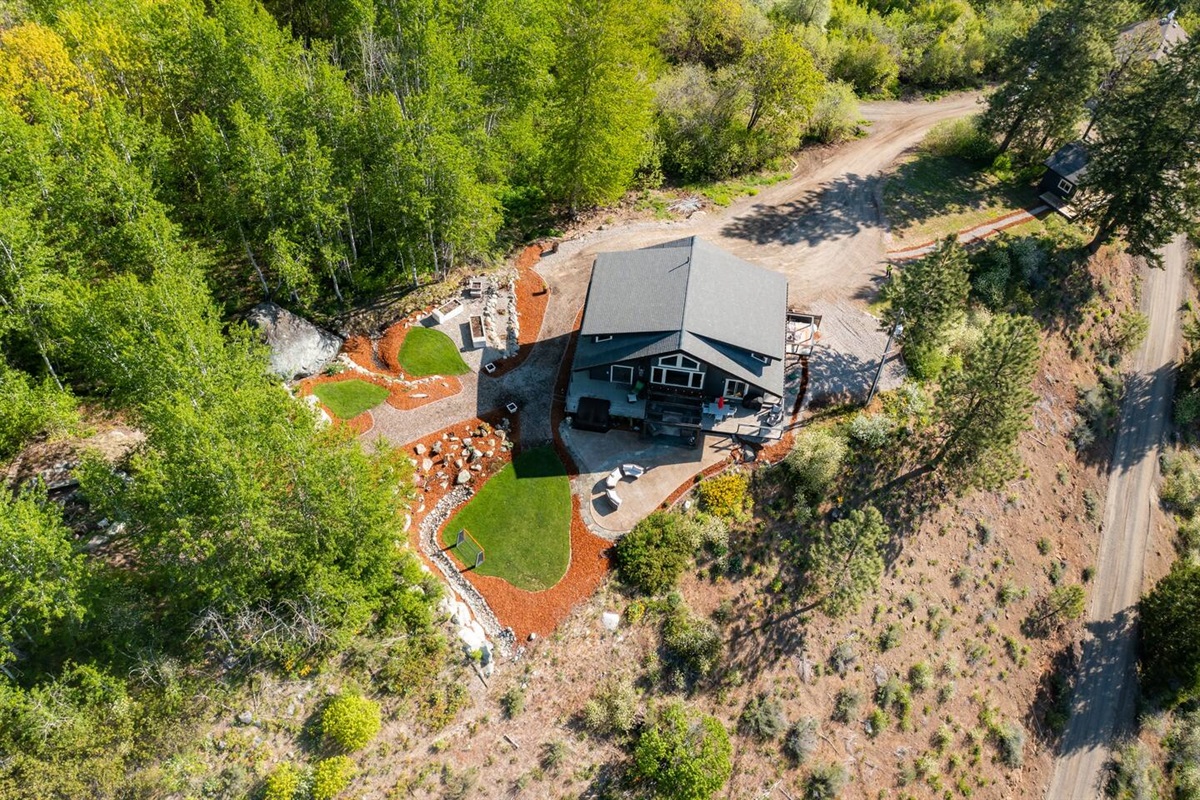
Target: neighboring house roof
(687,285)
(686,295)
(1070,161)
(1152,39)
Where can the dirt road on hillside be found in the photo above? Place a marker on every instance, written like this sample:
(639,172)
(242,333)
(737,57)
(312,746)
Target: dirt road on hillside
(1105,695)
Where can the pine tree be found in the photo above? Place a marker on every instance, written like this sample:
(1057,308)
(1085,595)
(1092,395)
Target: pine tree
(1170,631)
(1050,73)
(983,409)
(929,294)
(1143,179)
(846,562)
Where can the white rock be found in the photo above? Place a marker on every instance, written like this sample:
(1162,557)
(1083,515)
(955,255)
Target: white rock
(610,620)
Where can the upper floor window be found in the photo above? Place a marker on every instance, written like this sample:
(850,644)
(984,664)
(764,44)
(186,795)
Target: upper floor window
(679,361)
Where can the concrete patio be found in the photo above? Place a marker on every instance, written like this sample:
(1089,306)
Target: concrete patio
(667,467)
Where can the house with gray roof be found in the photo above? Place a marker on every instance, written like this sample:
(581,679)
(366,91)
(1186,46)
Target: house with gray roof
(1064,171)
(680,339)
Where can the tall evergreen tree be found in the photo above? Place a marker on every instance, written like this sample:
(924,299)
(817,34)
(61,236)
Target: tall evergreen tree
(846,561)
(1050,73)
(983,409)
(1170,632)
(929,294)
(1143,179)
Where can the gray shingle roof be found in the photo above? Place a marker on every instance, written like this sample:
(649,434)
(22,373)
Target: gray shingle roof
(686,295)
(687,285)
(1070,161)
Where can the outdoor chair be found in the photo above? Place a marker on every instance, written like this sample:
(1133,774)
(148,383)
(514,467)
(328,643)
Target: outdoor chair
(613,498)
(613,478)
(633,471)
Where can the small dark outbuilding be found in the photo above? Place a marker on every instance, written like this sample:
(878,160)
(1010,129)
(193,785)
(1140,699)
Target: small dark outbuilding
(1064,170)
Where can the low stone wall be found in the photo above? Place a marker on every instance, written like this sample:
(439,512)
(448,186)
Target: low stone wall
(430,526)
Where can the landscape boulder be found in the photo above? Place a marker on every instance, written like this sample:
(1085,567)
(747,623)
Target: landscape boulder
(463,477)
(298,347)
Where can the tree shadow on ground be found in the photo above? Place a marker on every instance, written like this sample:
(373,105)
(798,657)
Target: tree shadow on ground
(836,210)
(929,186)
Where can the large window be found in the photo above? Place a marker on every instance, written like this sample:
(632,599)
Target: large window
(735,388)
(683,378)
(620,373)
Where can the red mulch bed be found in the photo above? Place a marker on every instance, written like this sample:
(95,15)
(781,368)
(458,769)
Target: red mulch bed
(362,352)
(532,298)
(434,389)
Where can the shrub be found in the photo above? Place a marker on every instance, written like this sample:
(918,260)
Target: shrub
(843,657)
(920,675)
(682,756)
(876,722)
(762,718)
(1181,482)
(1010,741)
(1183,744)
(512,702)
(959,138)
(814,462)
(872,430)
(330,777)
(723,495)
(350,722)
(612,709)
(801,740)
(835,117)
(1133,775)
(282,783)
(693,643)
(845,705)
(825,782)
(654,554)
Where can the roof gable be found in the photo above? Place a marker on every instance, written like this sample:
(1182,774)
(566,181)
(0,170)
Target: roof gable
(687,286)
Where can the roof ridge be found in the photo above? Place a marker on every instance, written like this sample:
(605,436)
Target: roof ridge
(687,283)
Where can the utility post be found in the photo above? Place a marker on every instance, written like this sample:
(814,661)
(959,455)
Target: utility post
(897,329)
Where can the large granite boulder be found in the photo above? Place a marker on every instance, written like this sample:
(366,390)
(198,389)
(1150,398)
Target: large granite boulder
(298,348)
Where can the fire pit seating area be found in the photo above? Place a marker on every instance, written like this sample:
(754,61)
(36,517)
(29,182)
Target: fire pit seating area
(631,471)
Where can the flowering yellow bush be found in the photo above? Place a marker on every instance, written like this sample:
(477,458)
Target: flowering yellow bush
(350,721)
(723,495)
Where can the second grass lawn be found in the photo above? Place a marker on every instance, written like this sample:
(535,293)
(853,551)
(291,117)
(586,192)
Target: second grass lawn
(348,399)
(522,519)
(428,352)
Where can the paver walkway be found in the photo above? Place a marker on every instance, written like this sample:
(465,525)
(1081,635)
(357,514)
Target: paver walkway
(974,234)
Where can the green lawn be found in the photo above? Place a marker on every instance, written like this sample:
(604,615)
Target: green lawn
(348,399)
(429,352)
(932,196)
(522,518)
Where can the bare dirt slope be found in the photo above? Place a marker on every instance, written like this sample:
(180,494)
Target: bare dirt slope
(1105,696)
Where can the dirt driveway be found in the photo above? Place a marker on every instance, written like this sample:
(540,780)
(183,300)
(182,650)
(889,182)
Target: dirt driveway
(1106,695)
(823,228)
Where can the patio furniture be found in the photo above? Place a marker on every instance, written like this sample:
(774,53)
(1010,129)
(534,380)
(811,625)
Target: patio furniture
(631,398)
(613,498)
(717,412)
(774,414)
(613,478)
(632,471)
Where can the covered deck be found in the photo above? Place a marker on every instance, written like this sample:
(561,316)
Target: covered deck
(764,424)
